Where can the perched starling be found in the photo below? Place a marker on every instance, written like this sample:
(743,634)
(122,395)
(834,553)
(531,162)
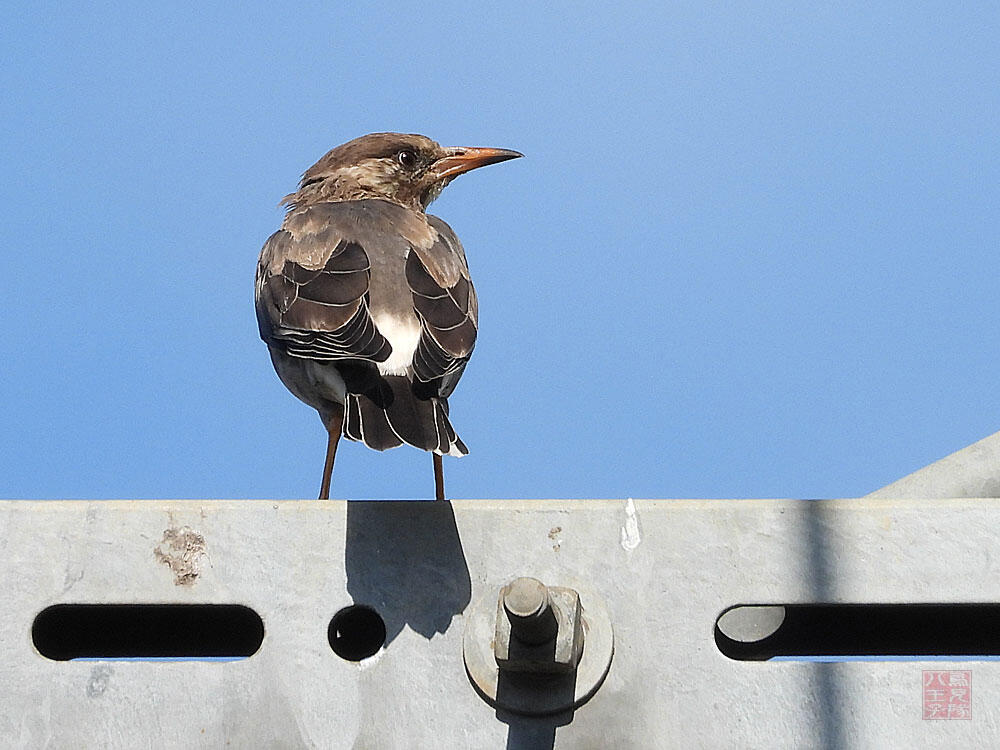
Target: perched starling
(365,301)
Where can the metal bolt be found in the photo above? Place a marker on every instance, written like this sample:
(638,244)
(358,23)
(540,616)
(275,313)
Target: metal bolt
(532,621)
(524,647)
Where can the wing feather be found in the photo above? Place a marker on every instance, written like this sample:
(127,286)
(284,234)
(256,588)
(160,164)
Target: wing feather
(445,302)
(313,281)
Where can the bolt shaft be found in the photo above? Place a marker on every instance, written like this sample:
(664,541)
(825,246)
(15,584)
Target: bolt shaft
(532,620)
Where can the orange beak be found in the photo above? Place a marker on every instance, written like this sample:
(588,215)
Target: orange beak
(459,160)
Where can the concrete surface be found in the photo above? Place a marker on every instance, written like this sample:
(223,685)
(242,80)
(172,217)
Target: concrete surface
(666,569)
(973,471)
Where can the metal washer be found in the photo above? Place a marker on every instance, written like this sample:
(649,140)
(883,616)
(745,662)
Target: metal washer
(533,694)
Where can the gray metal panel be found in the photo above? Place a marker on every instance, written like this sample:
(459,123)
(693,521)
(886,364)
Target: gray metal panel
(666,569)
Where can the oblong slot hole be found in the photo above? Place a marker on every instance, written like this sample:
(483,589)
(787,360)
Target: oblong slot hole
(118,631)
(869,630)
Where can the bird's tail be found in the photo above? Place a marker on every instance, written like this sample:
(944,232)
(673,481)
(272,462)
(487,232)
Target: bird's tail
(393,415)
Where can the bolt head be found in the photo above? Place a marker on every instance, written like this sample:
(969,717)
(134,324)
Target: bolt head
(525,598)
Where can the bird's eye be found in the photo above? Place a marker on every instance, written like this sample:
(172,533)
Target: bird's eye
(407,158)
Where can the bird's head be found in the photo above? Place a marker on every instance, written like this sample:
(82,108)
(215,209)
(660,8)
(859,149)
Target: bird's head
(410,170)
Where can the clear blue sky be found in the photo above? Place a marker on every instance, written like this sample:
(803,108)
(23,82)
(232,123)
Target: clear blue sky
(752,249)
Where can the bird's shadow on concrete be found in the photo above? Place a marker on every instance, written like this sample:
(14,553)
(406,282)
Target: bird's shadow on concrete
(405,560)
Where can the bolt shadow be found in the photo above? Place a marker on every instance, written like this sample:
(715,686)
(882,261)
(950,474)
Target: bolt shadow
(533,732)
(405,560)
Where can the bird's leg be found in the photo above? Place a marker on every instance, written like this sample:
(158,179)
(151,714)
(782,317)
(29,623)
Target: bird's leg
(334,426)
(331,453)
(438,478)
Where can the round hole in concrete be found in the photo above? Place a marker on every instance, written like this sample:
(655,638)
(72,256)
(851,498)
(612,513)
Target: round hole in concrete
(356,632)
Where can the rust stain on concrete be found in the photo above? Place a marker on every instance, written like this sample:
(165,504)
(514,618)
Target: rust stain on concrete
(181,550)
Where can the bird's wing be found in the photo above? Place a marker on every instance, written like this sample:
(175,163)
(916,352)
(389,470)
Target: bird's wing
(445,302)
(312,288)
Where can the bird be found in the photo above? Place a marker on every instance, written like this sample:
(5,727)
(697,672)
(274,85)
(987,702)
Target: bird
(365,300)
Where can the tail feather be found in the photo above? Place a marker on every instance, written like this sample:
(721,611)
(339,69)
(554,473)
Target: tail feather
(364,421)
(392,416)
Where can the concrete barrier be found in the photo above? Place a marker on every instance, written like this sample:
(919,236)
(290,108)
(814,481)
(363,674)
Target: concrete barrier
(666,570)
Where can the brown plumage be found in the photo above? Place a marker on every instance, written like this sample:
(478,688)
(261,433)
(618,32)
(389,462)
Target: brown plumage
(365,301)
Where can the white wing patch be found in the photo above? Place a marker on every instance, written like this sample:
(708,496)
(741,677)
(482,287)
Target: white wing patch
(403,335)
